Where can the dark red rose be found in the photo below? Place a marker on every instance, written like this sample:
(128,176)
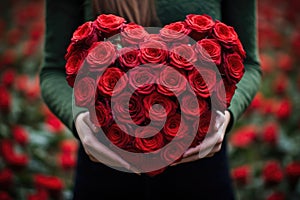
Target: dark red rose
(148,139)
(6,178)
(108,86)
(101,116)
(203,87)
(272,173)
(283,109)
(154,52)
(20,135)
(173,152)
(292,171)
(133,34)
(38,195)
(51,183)
(201,25)
(209,50)
(109,24)
(8,77)
(5,99)
(270,133)
(171,82)
(101,55)
(244,136)
(175,32)
(142,79)
(10,156)
(276,196)
(189,105)
(127,112)
(5,196)
(234,67)
(168,107)
(118,136)
(183,56)
(85,34)
(241,175)
(203,127)
(226,35)
(280,84)
(171,126)
(85,92)
(129,57)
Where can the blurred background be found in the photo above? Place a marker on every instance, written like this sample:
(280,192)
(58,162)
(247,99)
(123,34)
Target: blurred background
(38,154)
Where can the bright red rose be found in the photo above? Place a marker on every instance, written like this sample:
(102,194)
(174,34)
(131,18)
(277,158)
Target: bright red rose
(129,57)
(148,139)
(209,50)
(154,52)
(167,106)
(276,196)
(270,133)
(201,25)
(133,34)
(283,109)
(272,173)
(85,34)
(142,79)
(8,77)
(53,124)
(244,136)
(102,115)
(173,152)
(175,32)
(108,86)
(109,24)
(183,56)
(51,183)
(67,161)
(118,136)
(198,83)
(171,82)
(85,91)
(68,146)
(226,35)
(5,99)
(241,175)
(10,156)
(191,106)
(20,135)
(234,67)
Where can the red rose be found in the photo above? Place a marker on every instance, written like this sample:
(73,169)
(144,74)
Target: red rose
(276,196)
(85,34)
(101,116)
(148,139)
(117,135)
(203,127)
(272,173)
(51,183)
(67,161)
(175,32)
(10,156)
(190,107)
(171,82)
(239,49)
(108,86)
(226,35)
(280,84)
(243,136)
(38,195)
(171,127)
(173,152)
(241,175)
(142,79)
(5,99)
(183,56)
(85,92)
(285,62)
(234,67)
(129,57)
(292,171)
(20,135)
(128,112)
(133,34)
(229,89)
(209,50)
(8,77)
(283,109)
(198,83)
(168,107)
(270,133)
(201,25)
(154,52)
(101,55)
(109,24)
(68,146)
(53,124)
(6,178)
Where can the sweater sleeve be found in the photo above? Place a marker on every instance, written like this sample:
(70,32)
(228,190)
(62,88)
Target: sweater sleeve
(62,18)
(242,15)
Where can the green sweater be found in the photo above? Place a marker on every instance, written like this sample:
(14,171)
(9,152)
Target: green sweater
(64,16)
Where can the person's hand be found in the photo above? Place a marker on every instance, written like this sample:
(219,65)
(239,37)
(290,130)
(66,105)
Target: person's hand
(97,151)
(212,142)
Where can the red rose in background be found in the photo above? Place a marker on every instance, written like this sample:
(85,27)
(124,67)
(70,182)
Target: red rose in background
(129,57)
(108,86)
(51,183)
(5,196)
(280,84)
(292,171)
(272,173)
(20,134)
(154,52)
(198,84)
(148,139)
(270,133)
(241,175)
(85,34)
(182,56)
(6,178)
(201,25)
(85,92)
(285,62)
(67,161)
(5,99)
(234,65)
(10,156)
(38,195)
(118,136)
(225,34)
(244,136)
(276,196)
(133,34)
(175,32)
(141,80)
(53,124)
(109,24)
(209,50)
(8,77)
(283,109)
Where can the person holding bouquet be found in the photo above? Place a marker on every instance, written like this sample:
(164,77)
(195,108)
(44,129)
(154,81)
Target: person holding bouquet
(192,177)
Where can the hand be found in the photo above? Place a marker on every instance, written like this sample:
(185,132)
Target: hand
(212,142)
(97,151)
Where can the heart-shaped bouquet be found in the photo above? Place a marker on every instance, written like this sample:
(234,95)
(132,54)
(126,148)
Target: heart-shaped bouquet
(154,91)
